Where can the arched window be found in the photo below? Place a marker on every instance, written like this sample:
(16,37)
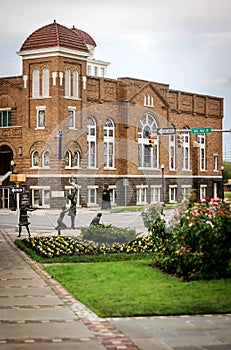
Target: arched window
(46,159)
(186,149)
(147,156)
(75,83)
(67,83)
(35,159)
(46,83)
(68,159)
(109,161)
(35,83)
(91,141)
(76,159)
(172,151)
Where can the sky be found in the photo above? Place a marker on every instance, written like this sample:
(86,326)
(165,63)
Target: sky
(183,43)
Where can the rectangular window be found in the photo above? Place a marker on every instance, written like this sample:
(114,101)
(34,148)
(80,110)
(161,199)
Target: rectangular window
(172,194)
(71,118)
(203,189)
(102,72)
(186,191)
(201,141)
(40,118)
(215,162)
(5,118)
(89,70)
(92,196)
(96,71)
(141,193)
(41,196)
(155,194)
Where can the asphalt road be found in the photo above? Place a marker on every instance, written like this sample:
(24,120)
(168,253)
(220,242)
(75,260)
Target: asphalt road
(47,219)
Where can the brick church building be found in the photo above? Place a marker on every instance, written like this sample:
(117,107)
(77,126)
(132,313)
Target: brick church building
(63,121)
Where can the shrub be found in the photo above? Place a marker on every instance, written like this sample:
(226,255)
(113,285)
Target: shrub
(108,234)
(197,244)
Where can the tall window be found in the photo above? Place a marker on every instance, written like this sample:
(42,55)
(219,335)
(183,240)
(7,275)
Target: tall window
(5,118)
(92,195)
(172,193)
(185,150)
(201,141)
(40,118)
(108,143)
(46,159)
(76,159)
(88,69)
(215,162)
(75,83)
(172,152)
(71,118)
(68,83)
(155,194)
(203,189)
(91,142)
(35,159)
(147,156)
(141,194)
(68,159)
(35,83)
(46,83)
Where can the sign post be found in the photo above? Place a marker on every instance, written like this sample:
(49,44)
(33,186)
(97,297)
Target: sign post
(17,179)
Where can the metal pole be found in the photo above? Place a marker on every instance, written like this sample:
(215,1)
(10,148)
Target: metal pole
(162,169)
(222,184)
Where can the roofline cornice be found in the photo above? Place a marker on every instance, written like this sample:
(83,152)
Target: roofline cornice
(53,51)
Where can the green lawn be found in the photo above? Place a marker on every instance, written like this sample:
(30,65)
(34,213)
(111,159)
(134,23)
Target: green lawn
(134,288)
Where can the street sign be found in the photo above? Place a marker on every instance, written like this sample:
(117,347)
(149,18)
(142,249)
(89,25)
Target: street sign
(17,189)
(201,131)
(166,131)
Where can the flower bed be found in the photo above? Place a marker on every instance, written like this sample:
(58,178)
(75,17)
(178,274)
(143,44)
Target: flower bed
(56,246)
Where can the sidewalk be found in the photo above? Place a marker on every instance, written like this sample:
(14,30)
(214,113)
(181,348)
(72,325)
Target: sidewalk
(37,313)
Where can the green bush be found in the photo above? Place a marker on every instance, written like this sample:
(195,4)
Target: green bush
(107,234)
(197,244)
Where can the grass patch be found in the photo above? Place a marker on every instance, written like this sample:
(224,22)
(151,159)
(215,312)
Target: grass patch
(133,288)
(228,196)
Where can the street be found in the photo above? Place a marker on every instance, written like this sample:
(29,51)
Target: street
(46,219)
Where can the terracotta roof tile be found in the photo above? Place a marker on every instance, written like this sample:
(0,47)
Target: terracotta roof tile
(85,36)
(52,35)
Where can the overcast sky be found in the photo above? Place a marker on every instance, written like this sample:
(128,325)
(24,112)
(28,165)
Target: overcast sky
(184,43)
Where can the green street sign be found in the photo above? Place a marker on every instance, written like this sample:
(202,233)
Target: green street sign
(201,131)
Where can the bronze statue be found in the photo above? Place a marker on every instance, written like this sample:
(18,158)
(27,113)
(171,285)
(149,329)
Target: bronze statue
(23,218)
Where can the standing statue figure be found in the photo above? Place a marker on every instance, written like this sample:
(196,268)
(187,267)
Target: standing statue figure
(71,197)
(61,224)
(106,198)
(23,218)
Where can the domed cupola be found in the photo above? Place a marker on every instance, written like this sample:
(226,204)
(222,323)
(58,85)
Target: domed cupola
(55,37)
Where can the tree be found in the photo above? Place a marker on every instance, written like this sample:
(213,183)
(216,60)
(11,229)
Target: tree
(227,170)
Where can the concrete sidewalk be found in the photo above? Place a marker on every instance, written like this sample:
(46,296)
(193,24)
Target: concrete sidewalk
(36,313)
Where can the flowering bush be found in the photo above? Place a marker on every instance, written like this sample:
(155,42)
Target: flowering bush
(56,246)
(197,244)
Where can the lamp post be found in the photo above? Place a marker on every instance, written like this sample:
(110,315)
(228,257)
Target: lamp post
(162,172)
(13,208)
(222,183)
(12,164)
